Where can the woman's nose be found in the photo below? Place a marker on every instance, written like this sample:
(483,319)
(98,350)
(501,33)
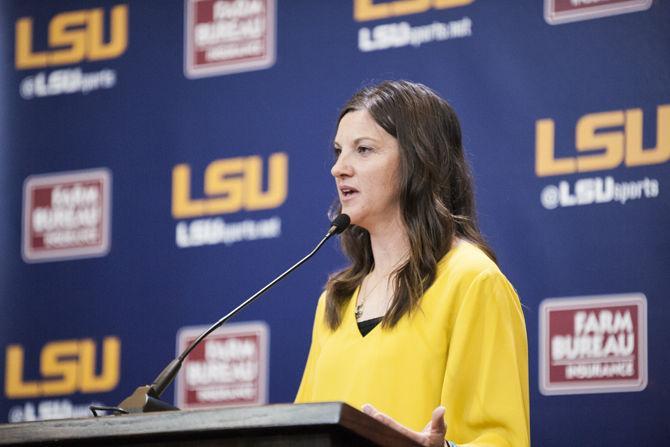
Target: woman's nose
(341,168)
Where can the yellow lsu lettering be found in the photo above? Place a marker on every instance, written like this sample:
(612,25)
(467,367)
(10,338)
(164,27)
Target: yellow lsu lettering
(66,366)
(73,36)
(232,184)
(613,146)
(365,10)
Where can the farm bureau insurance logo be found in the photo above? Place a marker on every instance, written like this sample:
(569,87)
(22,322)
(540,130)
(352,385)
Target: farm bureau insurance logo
(230,185)
(605,141)
(66,367)
(230,367)
(74,37)
(228,36)
(564,11)
(403,34)
(593,344)
(66,215)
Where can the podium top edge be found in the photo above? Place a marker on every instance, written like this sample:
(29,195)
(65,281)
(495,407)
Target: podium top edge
(163,423)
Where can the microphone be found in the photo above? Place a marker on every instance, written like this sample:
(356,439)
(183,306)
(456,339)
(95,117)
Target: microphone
(147,398)
(339,224)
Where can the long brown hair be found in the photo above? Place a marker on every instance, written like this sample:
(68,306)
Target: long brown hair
(436,196)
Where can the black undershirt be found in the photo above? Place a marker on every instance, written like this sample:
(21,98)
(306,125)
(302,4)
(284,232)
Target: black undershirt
(366,326)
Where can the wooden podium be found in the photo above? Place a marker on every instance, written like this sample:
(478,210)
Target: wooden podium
(320,424)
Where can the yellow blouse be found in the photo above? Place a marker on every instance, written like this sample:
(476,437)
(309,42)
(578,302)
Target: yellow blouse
(464,347)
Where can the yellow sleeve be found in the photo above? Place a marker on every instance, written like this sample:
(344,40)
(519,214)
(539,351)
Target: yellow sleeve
(305,392)
(485,389)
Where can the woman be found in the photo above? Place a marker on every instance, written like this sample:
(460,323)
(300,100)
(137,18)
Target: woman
(422,326)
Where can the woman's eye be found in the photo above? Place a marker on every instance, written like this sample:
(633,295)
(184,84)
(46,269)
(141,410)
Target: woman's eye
(364,149)
(336,152)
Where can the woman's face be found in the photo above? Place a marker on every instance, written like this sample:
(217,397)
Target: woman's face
(366,170)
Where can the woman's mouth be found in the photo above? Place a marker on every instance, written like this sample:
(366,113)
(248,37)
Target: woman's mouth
(347,192)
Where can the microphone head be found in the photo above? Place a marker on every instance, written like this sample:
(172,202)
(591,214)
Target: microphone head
(339,224)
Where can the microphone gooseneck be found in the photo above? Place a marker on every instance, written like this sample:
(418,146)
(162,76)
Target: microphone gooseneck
(145,397)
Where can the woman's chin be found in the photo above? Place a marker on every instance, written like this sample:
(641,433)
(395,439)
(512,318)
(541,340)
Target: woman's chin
(353,216)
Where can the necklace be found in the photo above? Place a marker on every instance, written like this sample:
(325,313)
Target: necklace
(359,306)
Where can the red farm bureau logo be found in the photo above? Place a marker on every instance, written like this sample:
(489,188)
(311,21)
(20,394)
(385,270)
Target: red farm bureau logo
(593,344)
(66,215)
(228,36)
(229,368)
(563,11)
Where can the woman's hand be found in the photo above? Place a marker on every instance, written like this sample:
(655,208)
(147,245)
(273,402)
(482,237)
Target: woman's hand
(431,436)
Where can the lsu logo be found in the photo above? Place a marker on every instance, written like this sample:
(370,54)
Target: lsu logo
(74,36)
(66,367)
(231,184)
(365,10)
(606,139)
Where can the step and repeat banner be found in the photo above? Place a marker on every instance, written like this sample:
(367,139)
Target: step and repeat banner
(161,161)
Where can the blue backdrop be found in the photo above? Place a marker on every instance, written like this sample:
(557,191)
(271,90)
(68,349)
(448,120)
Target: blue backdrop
(183,111)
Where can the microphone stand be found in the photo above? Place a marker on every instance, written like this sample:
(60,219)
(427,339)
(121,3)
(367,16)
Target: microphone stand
(146,398)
